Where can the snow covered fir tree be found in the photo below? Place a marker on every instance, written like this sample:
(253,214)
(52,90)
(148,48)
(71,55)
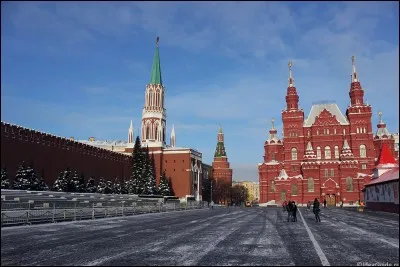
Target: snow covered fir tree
(5,183)
(142,180)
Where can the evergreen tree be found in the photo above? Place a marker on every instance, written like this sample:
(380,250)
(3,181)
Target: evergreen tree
(117,187)
(21,181)
(59,183)
(81,186)
(124,186)
(163,188)
(149,175)
(101,186)
(42,186)
(74,183)
(91,186)
(67,180)
(5,183)
(135,185)
(109,189)
(63,182)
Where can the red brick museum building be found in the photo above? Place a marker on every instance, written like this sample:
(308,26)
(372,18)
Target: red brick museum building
(322,155)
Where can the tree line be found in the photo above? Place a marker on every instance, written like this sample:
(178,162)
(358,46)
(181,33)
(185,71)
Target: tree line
(142,179)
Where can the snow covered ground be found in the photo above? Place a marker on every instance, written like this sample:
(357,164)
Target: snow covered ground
(220,236)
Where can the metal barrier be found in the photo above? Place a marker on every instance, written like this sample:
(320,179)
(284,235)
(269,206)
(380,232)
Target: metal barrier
(31,213)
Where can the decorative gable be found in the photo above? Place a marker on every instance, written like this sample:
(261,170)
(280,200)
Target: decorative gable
(325,118)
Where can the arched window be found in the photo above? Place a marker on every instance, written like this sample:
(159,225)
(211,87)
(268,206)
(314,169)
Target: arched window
(349,184)
(156,132)
(365,130)
(273,186)
(310,184)
(273,156)
(318,152)
(294,190)
(294,154)
(363,151)
(327,152)
(336,152)
(358,130)
(283,195)
(334,131)
(148,131)
(332,172)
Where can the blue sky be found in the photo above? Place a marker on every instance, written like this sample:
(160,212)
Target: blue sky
(80,69)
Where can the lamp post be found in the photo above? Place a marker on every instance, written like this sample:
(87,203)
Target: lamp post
(359,193)
(211,199)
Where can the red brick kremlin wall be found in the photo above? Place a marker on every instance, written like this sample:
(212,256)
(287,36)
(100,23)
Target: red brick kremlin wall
(54,154)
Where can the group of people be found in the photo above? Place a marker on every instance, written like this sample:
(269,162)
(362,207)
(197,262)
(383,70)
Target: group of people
(291,209)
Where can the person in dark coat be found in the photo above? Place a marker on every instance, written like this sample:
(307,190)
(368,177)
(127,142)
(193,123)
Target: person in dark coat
(324,203)
(316,210)
(294,212)
(289,208)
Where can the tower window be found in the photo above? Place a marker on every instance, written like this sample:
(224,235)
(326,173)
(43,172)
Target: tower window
(336,152)
(294,153)
(318,152)
(363,151)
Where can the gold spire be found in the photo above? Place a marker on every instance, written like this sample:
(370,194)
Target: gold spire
(291,80)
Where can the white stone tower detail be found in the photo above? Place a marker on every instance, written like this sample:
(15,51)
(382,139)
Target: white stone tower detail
(173,138)
(154,114)
(130,134)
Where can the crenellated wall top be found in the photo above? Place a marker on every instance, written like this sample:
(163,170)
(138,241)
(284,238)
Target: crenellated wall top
(31,135)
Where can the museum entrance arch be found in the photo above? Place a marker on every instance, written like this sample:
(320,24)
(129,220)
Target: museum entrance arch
(331,200)
(283,195)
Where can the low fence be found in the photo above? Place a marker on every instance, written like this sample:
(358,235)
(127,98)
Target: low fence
(28,213)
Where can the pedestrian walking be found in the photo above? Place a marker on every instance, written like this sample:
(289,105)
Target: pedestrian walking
(289,208)
(316,210)
(294,212)
(284,205)
(325,203)
(212,204)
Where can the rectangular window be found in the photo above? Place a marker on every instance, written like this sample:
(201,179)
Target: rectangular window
(364,166)
(332,172)
(326,174)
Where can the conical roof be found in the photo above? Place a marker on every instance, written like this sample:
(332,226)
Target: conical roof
(385,157)
(155,77)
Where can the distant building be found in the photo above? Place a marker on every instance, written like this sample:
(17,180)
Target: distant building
(321,155)
(222,173)
(382,191)
(253,189)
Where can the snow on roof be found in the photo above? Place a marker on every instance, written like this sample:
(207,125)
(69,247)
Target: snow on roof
(382,132)
(316,109)
(386,177)
(272,162)
(283,174)
(104,143)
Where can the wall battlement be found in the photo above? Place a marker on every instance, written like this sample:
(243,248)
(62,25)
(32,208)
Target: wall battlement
(52,154)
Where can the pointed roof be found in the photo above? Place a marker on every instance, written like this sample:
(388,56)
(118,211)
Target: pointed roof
(354,76)
(273,132)
(346,150)
(155,77)
(382,131)
(332,108)
(131,127)
(220,149)
(283,174)
(291,79)
(385,157)
(173,130)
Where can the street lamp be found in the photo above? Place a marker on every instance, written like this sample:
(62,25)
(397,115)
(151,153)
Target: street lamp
(359,194)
